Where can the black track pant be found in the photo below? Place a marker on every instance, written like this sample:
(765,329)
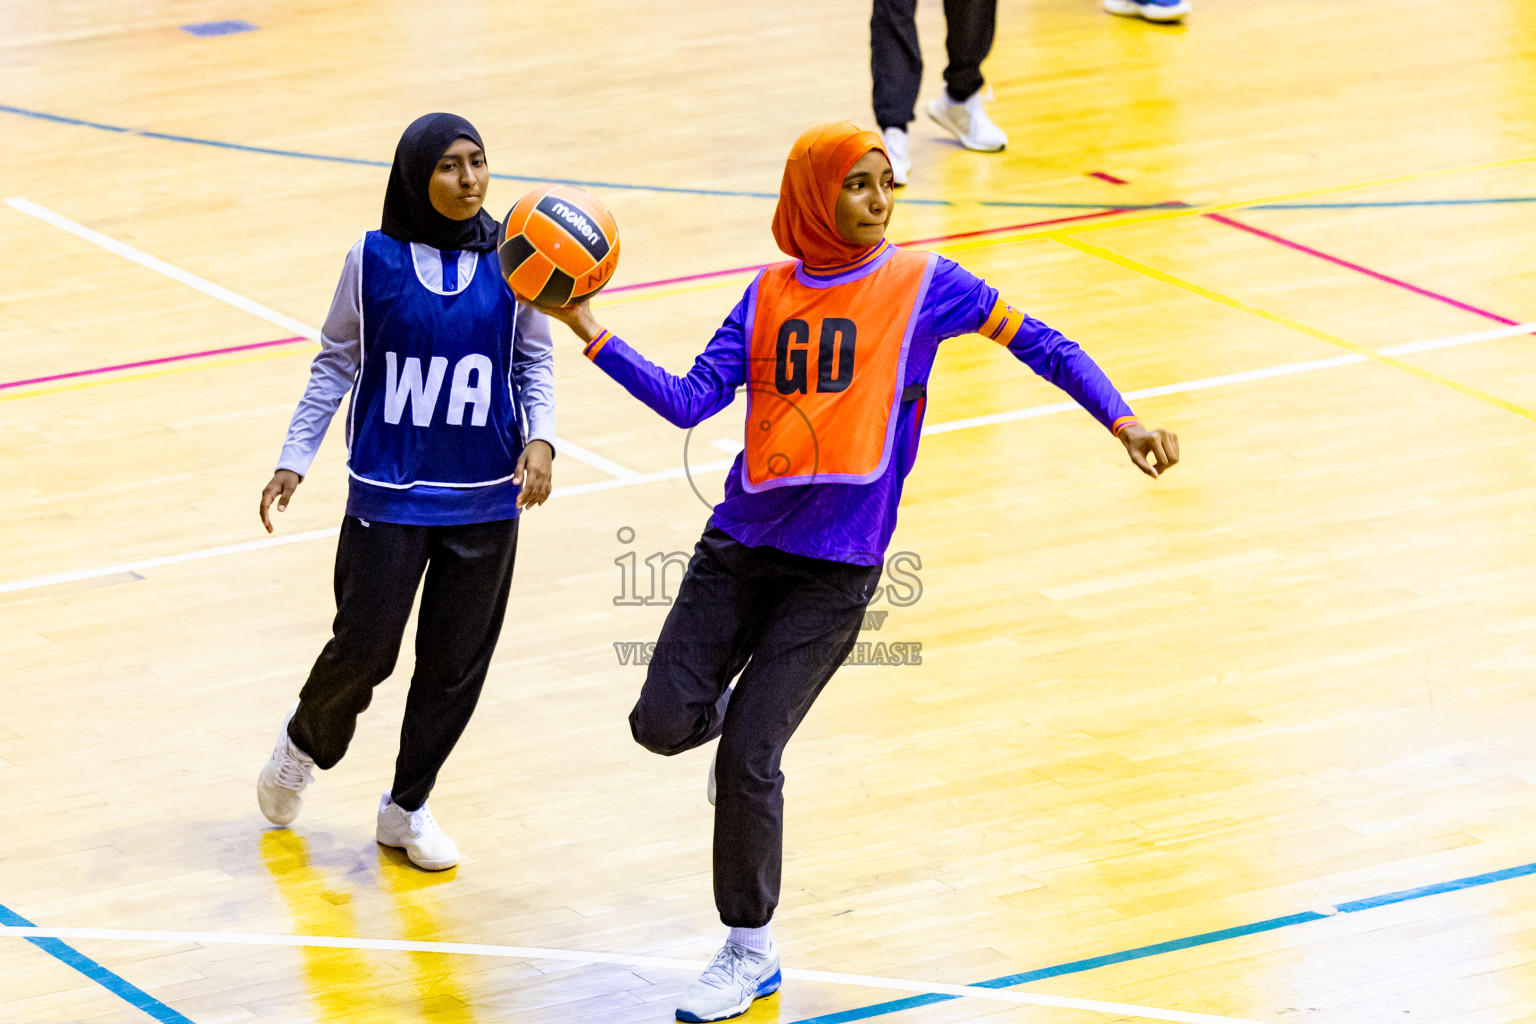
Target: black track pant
(378,568)
(897,64)
(790,621)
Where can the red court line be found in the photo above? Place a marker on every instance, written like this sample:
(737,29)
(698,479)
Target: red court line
(622,288)
(1367,271)
(915,241)
(149,362)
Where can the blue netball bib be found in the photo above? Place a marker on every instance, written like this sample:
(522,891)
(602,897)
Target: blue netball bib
(433,432)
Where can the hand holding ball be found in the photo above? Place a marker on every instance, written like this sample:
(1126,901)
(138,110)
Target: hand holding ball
(559,245)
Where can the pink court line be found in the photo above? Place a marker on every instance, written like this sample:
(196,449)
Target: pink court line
(150,362)
(1367,271)
(916,241)
(1340,262)
(186,356)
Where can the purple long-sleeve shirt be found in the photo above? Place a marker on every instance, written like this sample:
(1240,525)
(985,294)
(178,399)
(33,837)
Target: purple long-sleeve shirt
(836,521)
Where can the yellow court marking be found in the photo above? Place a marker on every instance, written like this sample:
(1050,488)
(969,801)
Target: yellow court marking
(171,371)
(1296,325)
(1154,216)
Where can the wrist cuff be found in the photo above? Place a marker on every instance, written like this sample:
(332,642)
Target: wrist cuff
(596,344)
(1123,422)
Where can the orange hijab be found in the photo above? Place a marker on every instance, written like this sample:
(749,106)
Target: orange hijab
(805,221)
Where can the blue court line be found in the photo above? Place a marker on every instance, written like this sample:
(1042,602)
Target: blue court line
(118,986)
(676,190)
(357,162)
(219,28)
(1173,945)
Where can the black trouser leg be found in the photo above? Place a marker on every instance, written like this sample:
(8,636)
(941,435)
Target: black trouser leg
(377,570)
(463,603)
(791,621)
(803,643)
(970,25)
(895,61)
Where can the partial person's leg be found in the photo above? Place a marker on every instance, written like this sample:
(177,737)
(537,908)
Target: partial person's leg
(813,618)
(705,641)
(806,639)
(959,110)
(378,567)
(895,61)
(896,64)
(970,25)
(463,604)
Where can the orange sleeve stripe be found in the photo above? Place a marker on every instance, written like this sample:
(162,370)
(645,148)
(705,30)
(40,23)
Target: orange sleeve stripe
(1123,422)
(596,344)
(1002,323)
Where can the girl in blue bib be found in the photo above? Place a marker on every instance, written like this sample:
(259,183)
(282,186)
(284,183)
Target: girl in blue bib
(450,434)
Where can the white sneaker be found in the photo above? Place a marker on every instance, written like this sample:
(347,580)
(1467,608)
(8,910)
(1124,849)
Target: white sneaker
(968,122)
(280,786)
(417,833)
(709,787)
(729,985)
(1152,10)
(897,148)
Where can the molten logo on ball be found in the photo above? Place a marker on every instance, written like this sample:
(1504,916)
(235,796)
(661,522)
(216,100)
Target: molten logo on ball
(559,245)
(595,242)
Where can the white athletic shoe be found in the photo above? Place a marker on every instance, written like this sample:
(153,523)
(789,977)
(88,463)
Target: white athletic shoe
(1152,10)
(729,985)
(417,833)
(280,786)
(709,787)
(968,122)
(896,146)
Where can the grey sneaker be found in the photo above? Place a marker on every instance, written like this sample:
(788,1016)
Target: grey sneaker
(280,786)
(730,984)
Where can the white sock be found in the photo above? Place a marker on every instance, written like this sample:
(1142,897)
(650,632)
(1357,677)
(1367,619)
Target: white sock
(758,940)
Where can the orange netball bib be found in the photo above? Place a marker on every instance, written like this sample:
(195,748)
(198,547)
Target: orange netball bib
(825,364)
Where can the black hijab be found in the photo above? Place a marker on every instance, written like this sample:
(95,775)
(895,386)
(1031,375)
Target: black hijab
(408,214)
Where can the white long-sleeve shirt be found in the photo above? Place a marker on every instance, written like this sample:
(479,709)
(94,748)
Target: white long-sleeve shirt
(334,370)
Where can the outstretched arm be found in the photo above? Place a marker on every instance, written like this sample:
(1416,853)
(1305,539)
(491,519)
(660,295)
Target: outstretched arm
(1060,361)
(684,401)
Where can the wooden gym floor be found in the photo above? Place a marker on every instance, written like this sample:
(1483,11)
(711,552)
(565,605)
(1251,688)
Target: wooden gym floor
(1253,742)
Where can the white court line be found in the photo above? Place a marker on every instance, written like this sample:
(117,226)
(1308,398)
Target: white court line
(159,266)
(150,563)
(596,461)
(250,306)
(119,568)
(1268,373)
(634,479)
(1458,340)
(618,960)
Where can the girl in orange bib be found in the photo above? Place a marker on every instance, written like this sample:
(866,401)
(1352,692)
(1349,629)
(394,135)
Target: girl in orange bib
(834,349)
